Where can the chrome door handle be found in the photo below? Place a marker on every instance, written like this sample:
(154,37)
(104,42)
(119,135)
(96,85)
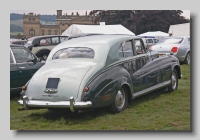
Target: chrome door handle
(22,67)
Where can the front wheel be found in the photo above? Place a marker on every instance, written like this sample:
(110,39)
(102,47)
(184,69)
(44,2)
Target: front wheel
(174,81)
(120,102)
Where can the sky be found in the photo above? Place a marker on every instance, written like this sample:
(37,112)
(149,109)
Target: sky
(186,13)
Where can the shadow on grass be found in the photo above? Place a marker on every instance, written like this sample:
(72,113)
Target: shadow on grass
(147,97)
(68,116)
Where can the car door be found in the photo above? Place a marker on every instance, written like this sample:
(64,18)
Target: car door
(25,69)
(13,72)
(127,53)
(150,71)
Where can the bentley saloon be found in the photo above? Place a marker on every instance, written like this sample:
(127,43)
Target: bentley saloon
(99,71)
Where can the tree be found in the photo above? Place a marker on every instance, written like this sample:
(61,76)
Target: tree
(140,21)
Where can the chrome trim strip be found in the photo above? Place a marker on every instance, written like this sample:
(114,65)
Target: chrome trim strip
(151,89)
(13,56)
(60,104)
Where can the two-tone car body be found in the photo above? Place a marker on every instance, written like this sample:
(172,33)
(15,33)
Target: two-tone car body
(96,71)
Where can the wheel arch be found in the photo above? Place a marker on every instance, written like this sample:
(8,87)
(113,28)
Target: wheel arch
(177,68)
(128,89)
(42,51)
(116,78)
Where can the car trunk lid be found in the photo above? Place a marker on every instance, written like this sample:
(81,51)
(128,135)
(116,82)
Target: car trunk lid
(70,74)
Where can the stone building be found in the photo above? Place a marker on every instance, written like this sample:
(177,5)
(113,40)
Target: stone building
(33,27)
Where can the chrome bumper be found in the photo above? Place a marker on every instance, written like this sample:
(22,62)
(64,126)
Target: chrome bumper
(48,104)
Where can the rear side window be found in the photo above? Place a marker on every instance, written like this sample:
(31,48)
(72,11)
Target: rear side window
(76,52)
(45,41)
(62,39)
(55,40)
(139,47)
(126,50)
(149,41)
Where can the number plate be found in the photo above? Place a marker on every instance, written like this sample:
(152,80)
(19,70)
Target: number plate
(52,85)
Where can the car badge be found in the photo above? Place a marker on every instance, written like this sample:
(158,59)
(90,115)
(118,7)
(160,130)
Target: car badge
(50,90)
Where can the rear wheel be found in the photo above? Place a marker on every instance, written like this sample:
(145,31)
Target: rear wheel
(43,55)
(174,81)
(187,58)
(120,102)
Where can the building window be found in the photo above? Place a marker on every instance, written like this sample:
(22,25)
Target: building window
(56,32)
(31,32)
(63,25)
(43,32)
(49,32)
(29,18)
(33,19)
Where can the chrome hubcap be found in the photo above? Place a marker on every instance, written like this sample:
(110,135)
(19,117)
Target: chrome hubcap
(120,98)
(188,58)
(174,80)
(44,57)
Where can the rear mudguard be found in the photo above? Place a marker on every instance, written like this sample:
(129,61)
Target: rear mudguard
(103,88)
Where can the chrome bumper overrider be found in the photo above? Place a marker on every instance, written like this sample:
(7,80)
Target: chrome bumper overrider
(48,104)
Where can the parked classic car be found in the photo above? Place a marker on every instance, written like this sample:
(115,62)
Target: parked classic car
(42,45)
(23,64)
(179,46)
(97,71)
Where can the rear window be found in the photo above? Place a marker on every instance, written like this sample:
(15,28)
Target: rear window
(76,52)
(171,40)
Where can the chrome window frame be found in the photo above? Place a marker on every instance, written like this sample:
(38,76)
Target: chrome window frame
(12,57)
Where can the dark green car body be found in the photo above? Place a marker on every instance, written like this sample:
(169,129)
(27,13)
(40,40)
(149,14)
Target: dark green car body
(21,71)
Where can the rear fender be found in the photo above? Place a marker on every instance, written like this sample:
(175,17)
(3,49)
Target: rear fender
(103,88)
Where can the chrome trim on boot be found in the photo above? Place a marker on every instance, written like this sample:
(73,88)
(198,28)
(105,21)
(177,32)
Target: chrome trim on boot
(72,104)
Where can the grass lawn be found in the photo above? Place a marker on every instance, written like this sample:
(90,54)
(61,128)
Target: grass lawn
(155,111)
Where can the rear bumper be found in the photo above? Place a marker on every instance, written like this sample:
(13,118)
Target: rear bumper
(72,105)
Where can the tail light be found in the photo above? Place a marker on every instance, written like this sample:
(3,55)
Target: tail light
(150,48)
(85,90)
(174,49)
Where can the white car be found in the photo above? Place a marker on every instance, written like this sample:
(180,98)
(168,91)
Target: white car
(178,46)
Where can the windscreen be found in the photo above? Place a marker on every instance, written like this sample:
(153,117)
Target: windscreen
(75,52)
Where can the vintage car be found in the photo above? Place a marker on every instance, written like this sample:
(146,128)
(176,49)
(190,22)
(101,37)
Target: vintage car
(99,71)
(23,65)
(42,45)
(179,46)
